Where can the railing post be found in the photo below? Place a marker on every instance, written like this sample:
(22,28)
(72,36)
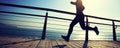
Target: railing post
(114,31)
(44,27)
(86,35)
(86,29)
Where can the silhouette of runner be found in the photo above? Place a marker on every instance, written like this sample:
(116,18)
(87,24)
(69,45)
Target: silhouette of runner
(78,19)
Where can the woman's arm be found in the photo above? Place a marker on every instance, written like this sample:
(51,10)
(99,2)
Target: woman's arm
(74,3)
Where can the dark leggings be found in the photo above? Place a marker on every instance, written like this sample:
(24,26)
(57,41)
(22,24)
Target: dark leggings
(78,19)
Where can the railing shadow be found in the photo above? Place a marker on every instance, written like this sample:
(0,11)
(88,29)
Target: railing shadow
(59,46)
(19,42)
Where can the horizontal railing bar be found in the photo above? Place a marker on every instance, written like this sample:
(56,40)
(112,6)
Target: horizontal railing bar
(32,15)
(56,24)
(103,24)
(21,13)
(60,29)
(102,18)
(25,26)
(21,21)
(6,14)
(48,16)
(46,9)
(29,22)
(100,23)
(38,8)
(60,18)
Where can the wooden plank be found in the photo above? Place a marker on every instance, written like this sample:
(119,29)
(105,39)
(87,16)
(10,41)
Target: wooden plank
(31,43)
(109,44)
(80,43)
(44,44)
(34,44)
(53,43)
(69,44)
(48,44)
(76,43)
(41,44)
(93,44)
(72,43)
(66,43)
(7,40)
(60,44)
(37,46)
(21,44)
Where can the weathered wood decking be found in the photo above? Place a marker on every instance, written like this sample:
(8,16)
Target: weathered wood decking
(7,42)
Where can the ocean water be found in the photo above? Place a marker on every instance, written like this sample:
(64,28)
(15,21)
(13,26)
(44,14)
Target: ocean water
(54,34)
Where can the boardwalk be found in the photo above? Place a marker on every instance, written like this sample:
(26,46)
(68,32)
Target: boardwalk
(6,42)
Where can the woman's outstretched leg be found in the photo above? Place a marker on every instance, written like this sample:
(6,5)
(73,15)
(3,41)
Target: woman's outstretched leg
(73,23)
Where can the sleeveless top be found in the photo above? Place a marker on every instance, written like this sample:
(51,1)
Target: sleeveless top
(79,6)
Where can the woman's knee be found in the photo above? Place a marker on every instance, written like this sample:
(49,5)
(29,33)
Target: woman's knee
(83,26)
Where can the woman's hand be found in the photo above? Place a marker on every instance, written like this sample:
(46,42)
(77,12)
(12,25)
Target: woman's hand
(74,3)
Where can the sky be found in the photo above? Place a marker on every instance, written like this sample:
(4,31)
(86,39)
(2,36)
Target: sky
(100,8)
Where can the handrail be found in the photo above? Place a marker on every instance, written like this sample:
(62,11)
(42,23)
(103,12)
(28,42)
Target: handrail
(53,10)
(37,8)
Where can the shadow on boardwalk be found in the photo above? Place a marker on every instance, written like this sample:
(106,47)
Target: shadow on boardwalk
(59,46)
(12,43)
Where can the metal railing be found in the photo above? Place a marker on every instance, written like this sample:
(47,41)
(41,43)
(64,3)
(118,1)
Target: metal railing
(114,26)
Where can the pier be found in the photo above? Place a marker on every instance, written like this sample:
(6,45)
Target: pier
(10,42)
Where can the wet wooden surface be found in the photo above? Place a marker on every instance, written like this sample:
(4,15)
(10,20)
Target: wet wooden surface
(6,42)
